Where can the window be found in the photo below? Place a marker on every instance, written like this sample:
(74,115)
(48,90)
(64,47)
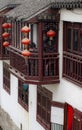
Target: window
(69,39)
(33,36)
(73,38)
(55,126)
(81,41)
(6,77)
(75,45)
(72,54)
(49,46)
(16,34)
(77,120)
(23,91)
(44,98)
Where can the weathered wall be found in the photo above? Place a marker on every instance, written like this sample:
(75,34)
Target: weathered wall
(6,122)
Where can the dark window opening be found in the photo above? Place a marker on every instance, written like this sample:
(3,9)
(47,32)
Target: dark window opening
(49,46)
(23,91)
(6,77)
(75,46)
(33,45)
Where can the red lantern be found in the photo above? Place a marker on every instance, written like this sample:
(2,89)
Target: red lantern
(5,44)
(51,34)
(5,35)
(9,25)
(26,53)
(6,25)
(26,41)
(25,29)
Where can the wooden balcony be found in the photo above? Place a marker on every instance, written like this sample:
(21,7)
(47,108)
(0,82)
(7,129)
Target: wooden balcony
(35,70)
(72,67)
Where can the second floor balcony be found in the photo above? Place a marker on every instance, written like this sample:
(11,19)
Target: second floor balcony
(36,70)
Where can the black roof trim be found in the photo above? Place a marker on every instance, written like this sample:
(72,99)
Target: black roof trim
(12,5)
(68,5)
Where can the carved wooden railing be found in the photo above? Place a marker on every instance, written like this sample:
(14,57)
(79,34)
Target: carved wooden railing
(31,68)
(51,65)
(72,67)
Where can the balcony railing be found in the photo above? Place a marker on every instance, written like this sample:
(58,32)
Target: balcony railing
(51,65)
(31,68)
(72,67)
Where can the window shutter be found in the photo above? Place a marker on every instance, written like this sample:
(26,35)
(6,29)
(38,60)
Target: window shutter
(77,120)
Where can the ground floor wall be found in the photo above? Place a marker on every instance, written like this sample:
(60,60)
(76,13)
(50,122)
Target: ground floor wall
(62,92)
(9,102)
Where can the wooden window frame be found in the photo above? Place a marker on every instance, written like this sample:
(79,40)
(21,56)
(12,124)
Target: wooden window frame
(44,107)
(6,77)
(73,27)
(23,95)
(77,120)
(50,46)
(72,65)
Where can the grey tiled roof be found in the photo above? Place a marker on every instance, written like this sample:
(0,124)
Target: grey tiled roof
(6,3)
(29,8)
(3,3)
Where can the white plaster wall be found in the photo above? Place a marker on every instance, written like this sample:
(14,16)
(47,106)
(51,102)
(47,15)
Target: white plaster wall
(57,115)
(74,15)
(33,124)
(10,104)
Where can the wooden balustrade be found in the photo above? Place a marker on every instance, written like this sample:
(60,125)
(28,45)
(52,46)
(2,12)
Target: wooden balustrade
(30,68)
(72,67)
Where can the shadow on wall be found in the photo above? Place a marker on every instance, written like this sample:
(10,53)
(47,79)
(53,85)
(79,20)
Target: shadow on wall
(1,128)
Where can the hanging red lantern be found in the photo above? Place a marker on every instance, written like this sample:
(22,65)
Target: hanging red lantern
(5,44)
(26,41)
(9,25)
(51,34)
(5,35)
(6,25)
(25,29)
(26,53)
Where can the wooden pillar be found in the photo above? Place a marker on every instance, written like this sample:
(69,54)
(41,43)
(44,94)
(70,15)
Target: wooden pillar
(1,44)
(40,51)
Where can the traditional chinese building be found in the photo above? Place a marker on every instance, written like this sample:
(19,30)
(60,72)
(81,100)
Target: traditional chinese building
(41,63)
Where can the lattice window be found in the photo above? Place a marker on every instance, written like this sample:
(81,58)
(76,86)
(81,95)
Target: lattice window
(77,120)
(44,98)
(50,46)
(73,37)
(23,91)
(6,77)
(72,55)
